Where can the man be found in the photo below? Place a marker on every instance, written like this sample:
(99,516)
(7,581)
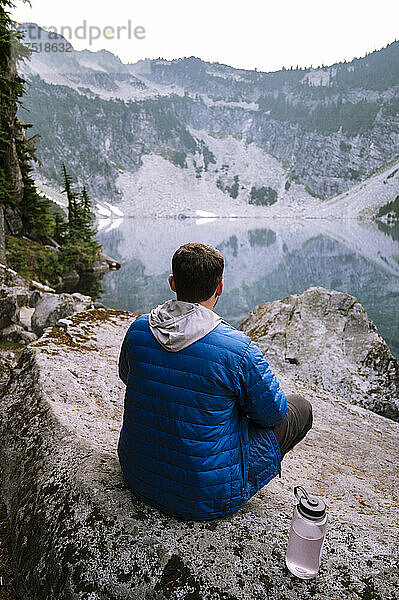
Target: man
(205,422)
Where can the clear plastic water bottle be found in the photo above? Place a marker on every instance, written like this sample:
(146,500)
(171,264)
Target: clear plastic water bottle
(308,528)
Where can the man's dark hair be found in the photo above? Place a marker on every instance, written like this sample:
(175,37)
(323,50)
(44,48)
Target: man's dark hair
(197,270)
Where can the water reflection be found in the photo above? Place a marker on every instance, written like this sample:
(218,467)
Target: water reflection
(265,260)
(391,229)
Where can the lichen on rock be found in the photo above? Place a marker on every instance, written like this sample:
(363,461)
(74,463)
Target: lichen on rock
(50,308)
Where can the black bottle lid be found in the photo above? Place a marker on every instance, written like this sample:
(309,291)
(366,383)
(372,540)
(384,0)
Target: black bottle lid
(310,507)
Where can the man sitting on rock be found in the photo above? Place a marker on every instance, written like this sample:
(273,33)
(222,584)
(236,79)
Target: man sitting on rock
(205,421)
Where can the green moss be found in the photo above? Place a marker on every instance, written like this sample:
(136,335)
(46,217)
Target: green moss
(32,259)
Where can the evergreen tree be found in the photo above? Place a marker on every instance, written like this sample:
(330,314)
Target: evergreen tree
(11,89)
(16,152)
(60,228)
(38,222)
(81,247)
(72,205)
(86,216)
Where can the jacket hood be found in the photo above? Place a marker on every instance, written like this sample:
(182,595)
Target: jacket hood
(177,324)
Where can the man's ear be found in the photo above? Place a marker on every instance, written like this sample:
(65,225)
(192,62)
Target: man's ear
(172,283)
(219,288)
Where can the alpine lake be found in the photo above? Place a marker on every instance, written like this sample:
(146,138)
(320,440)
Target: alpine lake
(265,260)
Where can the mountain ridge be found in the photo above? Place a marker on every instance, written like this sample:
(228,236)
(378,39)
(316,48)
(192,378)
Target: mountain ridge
(327,130)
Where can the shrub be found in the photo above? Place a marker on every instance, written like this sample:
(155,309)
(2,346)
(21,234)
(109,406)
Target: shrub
(263,196)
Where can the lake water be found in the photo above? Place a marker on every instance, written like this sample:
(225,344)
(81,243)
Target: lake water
(265,260)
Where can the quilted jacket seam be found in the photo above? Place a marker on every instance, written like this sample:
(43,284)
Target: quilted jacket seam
(178,371)
(189,485)
(179,420)
(240,365)
(179,435)
(139,437)
(130,387)
(183,468)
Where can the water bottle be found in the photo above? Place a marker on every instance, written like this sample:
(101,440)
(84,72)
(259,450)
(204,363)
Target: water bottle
(308,528)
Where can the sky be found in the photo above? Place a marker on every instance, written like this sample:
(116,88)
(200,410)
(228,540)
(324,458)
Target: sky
(252,34)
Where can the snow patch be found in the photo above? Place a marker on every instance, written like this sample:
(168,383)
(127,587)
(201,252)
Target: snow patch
(114,209)
(204,213)
(101,210)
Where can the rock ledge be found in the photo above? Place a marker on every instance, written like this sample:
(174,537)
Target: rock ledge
(80,534)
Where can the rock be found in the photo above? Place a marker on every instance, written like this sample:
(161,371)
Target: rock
(12,219)
(13,285)
(106,263)
(112,263)
(71,277)
(325,338)
(17,334)
(27,337)
(35,297)
(9,309)
(82,302)
(11,333)
(58,283)
(50,308)
(25,317)
(80,534)
(99,305)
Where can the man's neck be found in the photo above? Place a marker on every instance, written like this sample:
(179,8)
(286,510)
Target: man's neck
(210,303)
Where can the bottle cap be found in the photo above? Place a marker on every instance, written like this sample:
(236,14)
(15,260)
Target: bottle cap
(309,506)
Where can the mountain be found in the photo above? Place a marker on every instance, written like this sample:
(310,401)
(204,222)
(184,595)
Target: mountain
(181,136)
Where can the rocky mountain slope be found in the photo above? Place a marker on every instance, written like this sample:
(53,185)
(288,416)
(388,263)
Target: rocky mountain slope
(79,533)
(228,139)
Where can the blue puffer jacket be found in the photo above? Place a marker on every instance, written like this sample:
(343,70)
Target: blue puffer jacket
(196,441)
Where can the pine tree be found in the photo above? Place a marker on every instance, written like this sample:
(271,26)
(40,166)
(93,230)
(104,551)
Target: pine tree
(81,247)
(38,222)
(60,228)
(72,204)
(86,216)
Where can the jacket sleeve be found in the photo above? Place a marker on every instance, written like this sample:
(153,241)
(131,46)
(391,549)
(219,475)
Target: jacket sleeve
(123,360)
(260,395)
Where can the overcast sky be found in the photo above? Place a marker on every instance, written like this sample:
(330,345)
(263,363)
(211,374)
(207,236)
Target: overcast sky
(246,34)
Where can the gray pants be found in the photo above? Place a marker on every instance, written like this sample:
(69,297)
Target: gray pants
(296,424)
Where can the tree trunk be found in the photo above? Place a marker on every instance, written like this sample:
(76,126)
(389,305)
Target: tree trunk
(12,166)
(2,237)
